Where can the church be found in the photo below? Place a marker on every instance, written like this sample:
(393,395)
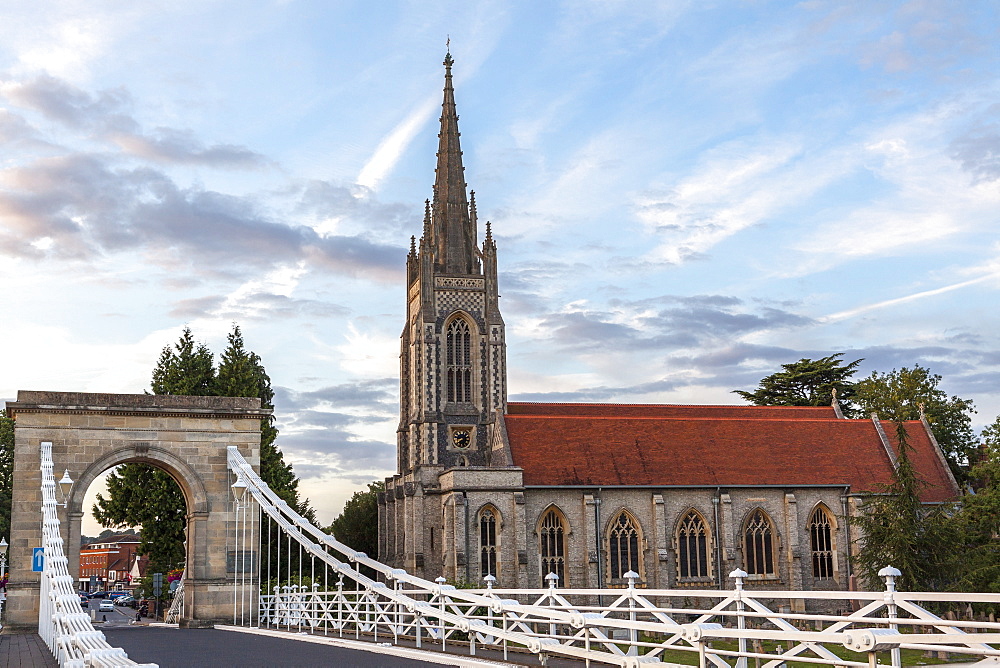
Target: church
(593,493)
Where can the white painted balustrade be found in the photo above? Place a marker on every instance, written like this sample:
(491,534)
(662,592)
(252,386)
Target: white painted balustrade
(62,623)
(631,626)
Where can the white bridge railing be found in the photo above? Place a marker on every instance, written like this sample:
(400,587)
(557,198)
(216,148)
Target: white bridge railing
(62,623)
(311,589)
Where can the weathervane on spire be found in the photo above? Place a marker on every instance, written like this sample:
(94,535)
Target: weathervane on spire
(448,60)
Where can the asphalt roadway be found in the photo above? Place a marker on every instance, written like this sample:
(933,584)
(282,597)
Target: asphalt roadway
(172,647)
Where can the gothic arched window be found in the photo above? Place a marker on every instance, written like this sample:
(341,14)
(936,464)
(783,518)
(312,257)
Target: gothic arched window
(488,541)
(624,546)
(758,544)
(552,546)
(821,542)
(459,361)
(692,546)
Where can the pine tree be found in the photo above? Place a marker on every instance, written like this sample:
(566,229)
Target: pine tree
(897,530)
(142,495)
(241,374)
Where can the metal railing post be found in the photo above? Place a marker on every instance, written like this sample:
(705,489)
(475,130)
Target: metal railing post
(741,622)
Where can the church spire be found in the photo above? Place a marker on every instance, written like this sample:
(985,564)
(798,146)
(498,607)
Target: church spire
(454,231)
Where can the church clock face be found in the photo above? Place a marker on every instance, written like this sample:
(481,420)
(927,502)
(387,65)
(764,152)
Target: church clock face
(461,438)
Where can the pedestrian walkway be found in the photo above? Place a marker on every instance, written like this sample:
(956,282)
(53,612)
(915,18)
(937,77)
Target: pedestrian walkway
(25,650)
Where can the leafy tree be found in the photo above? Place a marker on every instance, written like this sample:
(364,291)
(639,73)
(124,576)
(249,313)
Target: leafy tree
(898,395)
(979,520)
(140,495)
(807,383)
(6,471)
(357,524)
(897,530)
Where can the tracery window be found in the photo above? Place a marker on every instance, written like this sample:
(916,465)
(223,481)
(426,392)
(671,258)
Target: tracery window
(692,546)
(624,543)
(552,546)
(821,542)
(459,361)
(488,542)
(758,544)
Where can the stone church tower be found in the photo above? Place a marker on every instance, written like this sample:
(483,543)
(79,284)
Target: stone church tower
(453,375)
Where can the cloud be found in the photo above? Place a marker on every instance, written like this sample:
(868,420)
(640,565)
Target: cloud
(328,429)
(106,116)
(254,306)
(978,148)
(668,322)
(86,207)
(167,145)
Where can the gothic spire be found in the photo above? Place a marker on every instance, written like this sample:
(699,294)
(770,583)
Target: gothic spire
(454,232)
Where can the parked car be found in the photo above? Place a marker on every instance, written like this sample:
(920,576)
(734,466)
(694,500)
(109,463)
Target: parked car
(84,602)
(107,605)
(125,600)
(99,594)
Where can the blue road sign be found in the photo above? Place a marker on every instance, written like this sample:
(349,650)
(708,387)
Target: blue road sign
(37,559)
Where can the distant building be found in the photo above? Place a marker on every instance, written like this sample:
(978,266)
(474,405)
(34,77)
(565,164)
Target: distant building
(679,495)
(108,565)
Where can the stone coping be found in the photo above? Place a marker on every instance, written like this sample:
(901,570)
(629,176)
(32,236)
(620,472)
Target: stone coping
(32,401)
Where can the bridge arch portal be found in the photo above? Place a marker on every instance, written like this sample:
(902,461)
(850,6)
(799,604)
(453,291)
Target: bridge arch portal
(185,436)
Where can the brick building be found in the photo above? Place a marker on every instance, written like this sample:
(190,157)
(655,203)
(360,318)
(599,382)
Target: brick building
(110,563)
(681,495)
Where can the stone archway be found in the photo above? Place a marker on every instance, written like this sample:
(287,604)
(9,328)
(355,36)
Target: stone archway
(185,436)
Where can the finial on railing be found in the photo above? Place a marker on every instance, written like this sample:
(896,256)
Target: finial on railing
(739,574)
(490,580)
(890,574)
(552,579)
(440,580)
(632,578)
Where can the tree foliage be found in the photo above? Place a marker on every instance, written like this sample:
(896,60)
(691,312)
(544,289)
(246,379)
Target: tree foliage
(807,383)
(357,524)
(979,520)
(142,495)
(897,530)
(898,395)
(6,471)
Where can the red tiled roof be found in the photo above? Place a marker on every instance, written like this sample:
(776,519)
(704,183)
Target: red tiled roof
(607,444)
(671,410)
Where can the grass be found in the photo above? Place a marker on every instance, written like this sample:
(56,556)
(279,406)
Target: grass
(910,657)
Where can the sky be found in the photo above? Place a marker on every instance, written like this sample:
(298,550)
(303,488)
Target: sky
(684,196)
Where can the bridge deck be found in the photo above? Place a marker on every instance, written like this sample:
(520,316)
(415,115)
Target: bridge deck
(25,650)
(172,647)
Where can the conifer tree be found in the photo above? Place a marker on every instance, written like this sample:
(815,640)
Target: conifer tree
(897,530)
(145,496)
(807,383)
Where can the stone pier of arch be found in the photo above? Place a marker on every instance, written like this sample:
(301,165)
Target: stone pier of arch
(185,436)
